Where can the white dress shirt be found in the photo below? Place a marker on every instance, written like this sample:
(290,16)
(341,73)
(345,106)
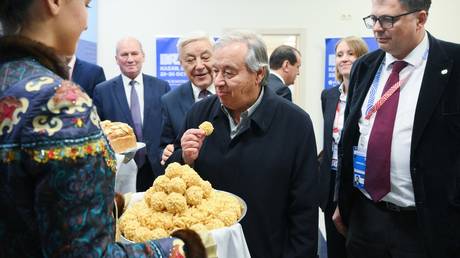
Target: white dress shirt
(139,89)
(71,66)
(402,192)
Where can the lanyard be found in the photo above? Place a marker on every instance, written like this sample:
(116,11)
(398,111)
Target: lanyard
(373,108)
(386,96)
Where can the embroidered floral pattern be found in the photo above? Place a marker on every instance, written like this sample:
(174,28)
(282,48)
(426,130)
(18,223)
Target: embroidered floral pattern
(46,124)
(94,117)
(70,98)
(37,84)
(10,108)
(44,152)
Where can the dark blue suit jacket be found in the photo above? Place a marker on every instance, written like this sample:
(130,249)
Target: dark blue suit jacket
(277,86)
(435,148)
(110,100)
(175,105)
(87,75)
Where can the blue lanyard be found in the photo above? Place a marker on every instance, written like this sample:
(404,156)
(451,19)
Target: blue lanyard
(374,86)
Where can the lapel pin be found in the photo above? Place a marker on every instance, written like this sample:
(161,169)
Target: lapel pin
(444,71)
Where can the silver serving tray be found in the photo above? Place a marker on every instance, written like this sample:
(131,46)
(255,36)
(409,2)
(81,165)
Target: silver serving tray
(140,195)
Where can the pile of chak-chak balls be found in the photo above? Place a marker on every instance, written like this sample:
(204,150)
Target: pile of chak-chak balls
(179,199)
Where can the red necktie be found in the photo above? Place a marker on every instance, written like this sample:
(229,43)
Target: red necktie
(378,158)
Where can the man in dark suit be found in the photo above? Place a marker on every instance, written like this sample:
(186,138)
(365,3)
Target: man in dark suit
(85,74)
(249,155)
(285,63)
(400,192)
(195,57)
(134,98)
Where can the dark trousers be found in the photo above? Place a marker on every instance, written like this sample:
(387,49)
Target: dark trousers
(145,177)
(335,241)
(378,232)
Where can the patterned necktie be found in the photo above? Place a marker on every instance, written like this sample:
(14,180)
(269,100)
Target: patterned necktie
(203,94)
(378,158)
(136,116)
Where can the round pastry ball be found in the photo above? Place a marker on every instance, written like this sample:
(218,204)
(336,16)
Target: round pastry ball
(194,195)
(173,170)
(161,184)
(156,200)
(175,203)
(177,185)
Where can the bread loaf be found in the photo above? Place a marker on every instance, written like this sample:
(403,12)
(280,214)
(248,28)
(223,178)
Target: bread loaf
(121,136)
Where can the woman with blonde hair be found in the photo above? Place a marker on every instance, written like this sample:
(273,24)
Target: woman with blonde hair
(56,168)
(333,102)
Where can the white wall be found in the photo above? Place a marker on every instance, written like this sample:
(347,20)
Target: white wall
(147,19)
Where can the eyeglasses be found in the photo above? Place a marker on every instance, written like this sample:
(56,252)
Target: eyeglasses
(386,21)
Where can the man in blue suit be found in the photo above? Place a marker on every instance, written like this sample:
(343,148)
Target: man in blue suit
(85,74)
(134,98)
(195,56)
(285,63)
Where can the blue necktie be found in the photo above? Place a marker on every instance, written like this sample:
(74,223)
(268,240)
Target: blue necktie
(136,116)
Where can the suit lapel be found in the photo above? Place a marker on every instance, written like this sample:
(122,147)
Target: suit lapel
(187,98)
(367,71)
(330,112)
(435,79)
(148,98)
(75,74)
(120,96)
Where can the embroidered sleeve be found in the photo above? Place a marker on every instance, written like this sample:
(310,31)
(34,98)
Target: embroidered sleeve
(57,155)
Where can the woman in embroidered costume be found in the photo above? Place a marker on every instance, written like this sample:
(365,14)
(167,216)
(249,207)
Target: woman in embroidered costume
(56,169)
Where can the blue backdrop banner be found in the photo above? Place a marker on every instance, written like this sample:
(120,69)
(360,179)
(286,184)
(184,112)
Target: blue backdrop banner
(168,66)
(329,73)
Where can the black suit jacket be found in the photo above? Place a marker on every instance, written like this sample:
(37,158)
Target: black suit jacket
(435,145)
(175,105)
(110,100)
(87,75)
(274,172)
(329,100)
(277,86)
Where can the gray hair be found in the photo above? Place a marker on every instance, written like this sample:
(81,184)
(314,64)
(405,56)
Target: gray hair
(413,5)
(192,37)
(129,38)
(256,57)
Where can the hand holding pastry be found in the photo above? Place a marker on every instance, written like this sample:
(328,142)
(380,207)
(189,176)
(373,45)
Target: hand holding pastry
(191,143)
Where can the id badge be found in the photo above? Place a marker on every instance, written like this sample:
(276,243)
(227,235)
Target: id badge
(359,168)
(335,157)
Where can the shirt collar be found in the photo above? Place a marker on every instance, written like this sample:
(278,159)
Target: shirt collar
(277,75)
(414,57)
(249,111)
(139,79)
(343,95)
(72,61)
(196,89)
